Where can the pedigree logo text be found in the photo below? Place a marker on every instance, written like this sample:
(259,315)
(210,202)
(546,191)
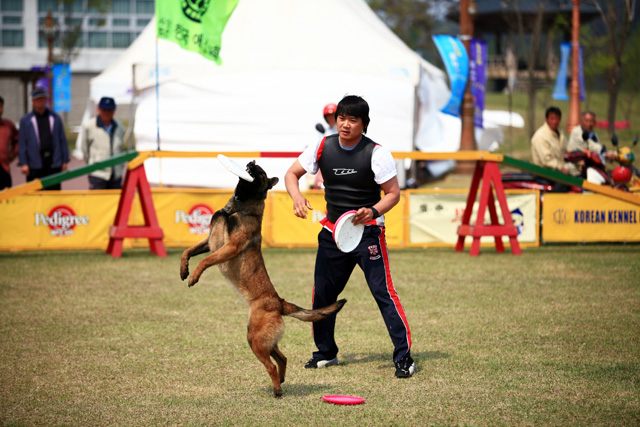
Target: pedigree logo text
(61,220)
(198,218)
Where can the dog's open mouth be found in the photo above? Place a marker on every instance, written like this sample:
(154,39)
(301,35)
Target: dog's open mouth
(251,167)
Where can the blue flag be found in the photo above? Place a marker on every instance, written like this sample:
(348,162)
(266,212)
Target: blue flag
(456,61)
(560,89)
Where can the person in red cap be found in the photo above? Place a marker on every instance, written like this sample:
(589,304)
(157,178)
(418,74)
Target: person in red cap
(42,143)
(329,113)
(102,138)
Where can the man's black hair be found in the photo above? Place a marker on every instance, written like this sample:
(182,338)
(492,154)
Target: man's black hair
(553,110)
(1,100)
(353,105)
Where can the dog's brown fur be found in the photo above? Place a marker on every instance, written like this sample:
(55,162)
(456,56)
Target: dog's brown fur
(235,244)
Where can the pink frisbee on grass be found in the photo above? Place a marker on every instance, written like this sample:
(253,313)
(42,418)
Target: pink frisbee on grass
(339,399)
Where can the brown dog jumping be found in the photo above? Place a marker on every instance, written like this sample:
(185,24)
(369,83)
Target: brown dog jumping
(234,241)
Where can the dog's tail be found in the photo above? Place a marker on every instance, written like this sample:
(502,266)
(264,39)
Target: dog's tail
(305,315)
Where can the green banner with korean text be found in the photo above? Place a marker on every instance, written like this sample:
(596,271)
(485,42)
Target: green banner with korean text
(195,25)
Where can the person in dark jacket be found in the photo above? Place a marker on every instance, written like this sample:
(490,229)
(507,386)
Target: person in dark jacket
(42,143)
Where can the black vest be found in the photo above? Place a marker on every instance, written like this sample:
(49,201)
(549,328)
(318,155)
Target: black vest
(348,178)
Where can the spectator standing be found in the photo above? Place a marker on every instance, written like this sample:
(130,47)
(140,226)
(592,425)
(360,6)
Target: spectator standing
(42,143)
(8,147)
(103,137)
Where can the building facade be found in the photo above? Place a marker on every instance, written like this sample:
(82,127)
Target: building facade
(88,34)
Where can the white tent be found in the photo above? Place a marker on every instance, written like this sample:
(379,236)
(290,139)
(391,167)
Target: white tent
(283,60)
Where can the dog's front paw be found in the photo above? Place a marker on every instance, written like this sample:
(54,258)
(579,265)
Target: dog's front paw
(184,271)
(192,280)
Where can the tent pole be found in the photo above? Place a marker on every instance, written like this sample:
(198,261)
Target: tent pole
(157,98)
(132,109)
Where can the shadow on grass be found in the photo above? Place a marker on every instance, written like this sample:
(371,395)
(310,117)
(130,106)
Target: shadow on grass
(348,358)
(300,389)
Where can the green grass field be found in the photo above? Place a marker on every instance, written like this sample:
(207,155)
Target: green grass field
(551,337)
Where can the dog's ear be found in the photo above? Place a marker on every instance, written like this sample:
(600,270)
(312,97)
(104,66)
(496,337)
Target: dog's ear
(273,182)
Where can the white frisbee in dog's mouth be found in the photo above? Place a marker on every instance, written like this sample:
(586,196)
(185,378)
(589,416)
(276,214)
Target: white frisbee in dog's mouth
(234,168)
(346,234)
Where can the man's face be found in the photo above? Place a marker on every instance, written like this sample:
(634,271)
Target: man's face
(588,121)
(39,104)
(350,128)
(553,120)
(106,115)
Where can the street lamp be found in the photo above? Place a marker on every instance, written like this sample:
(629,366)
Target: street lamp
(468,9)
(50,33)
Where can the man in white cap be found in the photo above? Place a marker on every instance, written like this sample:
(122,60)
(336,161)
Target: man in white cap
(42,143)
(103,137)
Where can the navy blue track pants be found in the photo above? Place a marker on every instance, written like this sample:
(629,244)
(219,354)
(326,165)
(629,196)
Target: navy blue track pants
(333,269)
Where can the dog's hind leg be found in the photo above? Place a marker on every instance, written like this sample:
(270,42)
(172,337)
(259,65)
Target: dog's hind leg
(264,331)
(199,248)
(281,360)
(262,352)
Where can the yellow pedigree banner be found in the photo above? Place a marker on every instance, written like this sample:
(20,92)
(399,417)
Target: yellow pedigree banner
(81,219)
(589,218)
(57,220)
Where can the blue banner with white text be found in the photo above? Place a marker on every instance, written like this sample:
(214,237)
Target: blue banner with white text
(456,61)
(61,86)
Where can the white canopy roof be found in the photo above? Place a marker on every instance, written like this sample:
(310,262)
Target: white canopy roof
(283,60)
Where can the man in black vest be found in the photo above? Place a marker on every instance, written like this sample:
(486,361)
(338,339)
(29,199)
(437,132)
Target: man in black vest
(355,170)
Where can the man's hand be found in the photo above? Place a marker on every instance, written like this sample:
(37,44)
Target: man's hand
(300,206)
(24,169)
(363,215)
(64,166)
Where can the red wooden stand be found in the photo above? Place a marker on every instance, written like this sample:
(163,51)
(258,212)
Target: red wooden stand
(136,179)
(488,173)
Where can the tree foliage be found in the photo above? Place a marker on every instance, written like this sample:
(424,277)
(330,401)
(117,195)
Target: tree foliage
(409,19)
(69,15)
(618,17)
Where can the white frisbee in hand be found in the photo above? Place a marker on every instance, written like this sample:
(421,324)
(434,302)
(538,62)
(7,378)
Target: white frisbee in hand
(346,234)
(235,168)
